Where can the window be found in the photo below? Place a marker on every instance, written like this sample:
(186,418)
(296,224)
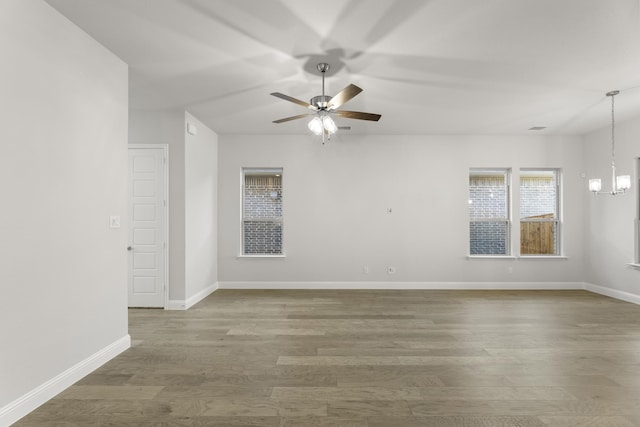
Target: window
(489,213)
(637,230)
(261,211)
(539,212)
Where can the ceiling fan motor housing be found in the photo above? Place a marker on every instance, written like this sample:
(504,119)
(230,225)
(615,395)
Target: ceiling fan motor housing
(321,101)
(323,67)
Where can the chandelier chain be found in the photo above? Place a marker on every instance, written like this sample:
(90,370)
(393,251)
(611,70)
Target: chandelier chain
(613,134)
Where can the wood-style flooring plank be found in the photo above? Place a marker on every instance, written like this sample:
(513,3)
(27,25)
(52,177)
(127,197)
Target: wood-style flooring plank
(368,359)
(611,421)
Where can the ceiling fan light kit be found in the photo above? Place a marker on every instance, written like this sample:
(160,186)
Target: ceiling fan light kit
(621,183)
(324,105)
(315,126)
(329,125)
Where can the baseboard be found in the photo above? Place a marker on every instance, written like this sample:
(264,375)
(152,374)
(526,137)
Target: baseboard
(176,304)
(192,300)
(613,293)
(401,285)
(32,400)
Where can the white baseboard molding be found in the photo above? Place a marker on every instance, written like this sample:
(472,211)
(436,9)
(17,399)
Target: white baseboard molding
(401,285)
(613,293)
(194,299)
(176,304)
(32,400)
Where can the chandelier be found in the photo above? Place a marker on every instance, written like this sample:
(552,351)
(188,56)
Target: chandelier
(619,184)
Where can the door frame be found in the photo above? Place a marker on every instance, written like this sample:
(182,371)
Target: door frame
(165,228)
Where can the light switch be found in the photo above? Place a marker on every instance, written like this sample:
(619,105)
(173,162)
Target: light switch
(114,222)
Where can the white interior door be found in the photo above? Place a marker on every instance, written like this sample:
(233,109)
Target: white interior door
(147,222)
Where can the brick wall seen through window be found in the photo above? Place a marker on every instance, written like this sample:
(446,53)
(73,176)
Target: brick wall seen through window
(489,226)
(262,212)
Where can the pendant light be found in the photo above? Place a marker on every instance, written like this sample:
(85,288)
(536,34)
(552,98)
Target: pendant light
(619,184)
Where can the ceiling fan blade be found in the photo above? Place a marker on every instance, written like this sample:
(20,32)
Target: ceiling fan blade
(343,96)
(288,119)
(358,115)
(294,100)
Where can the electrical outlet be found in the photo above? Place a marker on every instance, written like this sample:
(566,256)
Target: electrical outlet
(391,270)
(365,269)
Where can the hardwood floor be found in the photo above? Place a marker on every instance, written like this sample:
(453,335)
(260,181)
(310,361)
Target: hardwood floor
(369,358)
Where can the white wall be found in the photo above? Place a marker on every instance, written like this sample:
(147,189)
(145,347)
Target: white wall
(193,186)
(63,168)
(336,198)
(201,217)
(609,227)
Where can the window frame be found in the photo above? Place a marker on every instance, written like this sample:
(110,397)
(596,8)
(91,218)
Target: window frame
(636,261)
(267,171)
(508,220)
(558,214)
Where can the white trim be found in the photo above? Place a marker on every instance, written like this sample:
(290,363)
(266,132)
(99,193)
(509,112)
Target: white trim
(511,257)
(29,402)
(165,164)
(194,299)
(401,285)
(178,304)
(636,222)
(559,239)
(613,293)
(277,170)
(276,256)
(545,257)
(507,173)
(491,257)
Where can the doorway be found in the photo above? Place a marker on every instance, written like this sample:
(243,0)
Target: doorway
(148,226)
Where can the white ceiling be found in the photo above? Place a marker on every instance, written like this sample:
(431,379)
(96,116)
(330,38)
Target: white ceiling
(428,66)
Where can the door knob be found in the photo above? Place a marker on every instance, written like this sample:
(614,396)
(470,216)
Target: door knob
(129,248)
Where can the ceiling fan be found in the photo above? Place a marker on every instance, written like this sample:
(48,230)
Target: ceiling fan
(323,106)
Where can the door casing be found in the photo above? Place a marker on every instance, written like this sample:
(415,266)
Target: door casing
(165,208)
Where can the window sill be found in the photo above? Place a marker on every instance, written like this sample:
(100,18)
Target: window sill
(282,256)
(634,265)
(490,257)
(527,257)
(545,257)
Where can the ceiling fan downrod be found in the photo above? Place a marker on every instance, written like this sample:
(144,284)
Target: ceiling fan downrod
(321,102)
(323,67)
